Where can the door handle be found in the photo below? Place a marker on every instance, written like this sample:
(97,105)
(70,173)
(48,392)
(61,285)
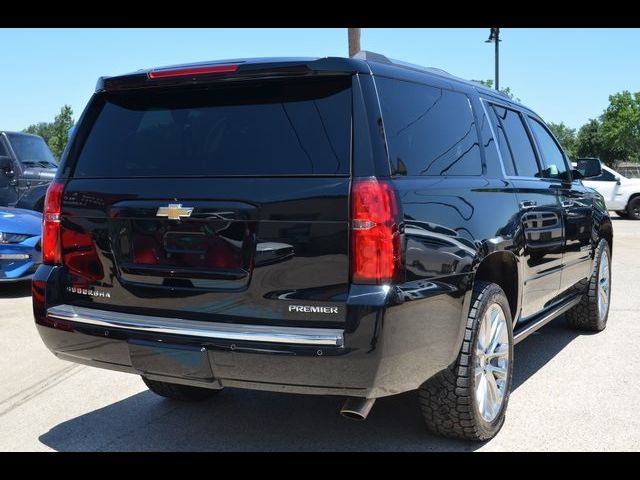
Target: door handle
(568,204)
(526,204)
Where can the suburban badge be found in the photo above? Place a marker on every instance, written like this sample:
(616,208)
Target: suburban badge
(88,292)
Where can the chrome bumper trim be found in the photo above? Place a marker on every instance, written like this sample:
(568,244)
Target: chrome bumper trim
(321,337)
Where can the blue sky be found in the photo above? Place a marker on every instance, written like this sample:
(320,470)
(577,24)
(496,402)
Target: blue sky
(563,74)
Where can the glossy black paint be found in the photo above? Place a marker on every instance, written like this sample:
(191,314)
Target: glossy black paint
(533,236)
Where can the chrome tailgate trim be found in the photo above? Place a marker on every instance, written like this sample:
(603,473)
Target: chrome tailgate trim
(324,337)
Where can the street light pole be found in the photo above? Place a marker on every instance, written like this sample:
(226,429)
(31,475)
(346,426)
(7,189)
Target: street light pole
(494,37)
(497,59)
(354,41)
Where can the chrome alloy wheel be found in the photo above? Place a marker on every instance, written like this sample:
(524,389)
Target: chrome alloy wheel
(604,280)
(491,365)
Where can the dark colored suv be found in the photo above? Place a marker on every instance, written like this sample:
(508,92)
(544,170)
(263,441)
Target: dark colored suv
(27,167)
(353,227)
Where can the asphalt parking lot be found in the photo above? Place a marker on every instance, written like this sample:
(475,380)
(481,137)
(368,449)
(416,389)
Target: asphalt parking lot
(572,391)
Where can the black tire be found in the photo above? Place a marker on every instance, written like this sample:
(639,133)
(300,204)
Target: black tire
(448,399)
(586,315)
(622,213)
(633,209)
(183,393)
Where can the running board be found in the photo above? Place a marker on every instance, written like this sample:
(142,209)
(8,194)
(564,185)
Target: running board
(534,325)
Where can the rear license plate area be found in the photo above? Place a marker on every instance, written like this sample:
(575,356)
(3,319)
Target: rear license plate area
(170,360)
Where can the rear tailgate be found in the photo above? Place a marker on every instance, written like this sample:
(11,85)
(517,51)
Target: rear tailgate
(217,203)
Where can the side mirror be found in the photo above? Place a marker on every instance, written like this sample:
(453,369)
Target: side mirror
(589,167)
(6,166)
(618,180)
(576,174)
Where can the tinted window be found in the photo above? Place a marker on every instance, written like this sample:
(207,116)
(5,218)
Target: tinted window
(505,149)
(553,162)
(489,143)
(277,128)
(605,177)
(32,150)
(517,142)
(429,130)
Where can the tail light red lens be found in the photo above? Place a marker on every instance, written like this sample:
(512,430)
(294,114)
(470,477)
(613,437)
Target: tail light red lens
(375,234)
(79,255)
(51,244)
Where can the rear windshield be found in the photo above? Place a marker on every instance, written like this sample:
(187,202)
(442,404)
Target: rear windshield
(259,129)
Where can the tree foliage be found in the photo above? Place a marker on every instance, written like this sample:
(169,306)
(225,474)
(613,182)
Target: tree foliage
(620,127)
(589,140)
(55,133)
(566,136)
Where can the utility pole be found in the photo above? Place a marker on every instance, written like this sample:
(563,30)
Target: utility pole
(494,37)
(354,41)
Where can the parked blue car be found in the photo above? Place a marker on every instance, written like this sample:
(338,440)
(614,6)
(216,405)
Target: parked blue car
(20,252)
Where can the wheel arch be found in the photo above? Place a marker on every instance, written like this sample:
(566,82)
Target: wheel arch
(631,197)
(502,268)
(606,232)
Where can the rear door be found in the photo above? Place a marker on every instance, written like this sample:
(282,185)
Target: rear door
(576,204)
(540,210)
(216,203)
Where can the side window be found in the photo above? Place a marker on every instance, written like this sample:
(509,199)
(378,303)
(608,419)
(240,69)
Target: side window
(488,141)
(505,149)
(605,177)
(518,144)
(429,130)
(553,161)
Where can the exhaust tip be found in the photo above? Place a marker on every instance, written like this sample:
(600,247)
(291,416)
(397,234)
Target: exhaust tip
(356,408)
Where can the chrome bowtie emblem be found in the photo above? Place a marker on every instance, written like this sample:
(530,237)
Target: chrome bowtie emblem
(174,211)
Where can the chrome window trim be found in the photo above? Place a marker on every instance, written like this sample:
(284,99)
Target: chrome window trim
(495,137)
(325,337)
(527,128)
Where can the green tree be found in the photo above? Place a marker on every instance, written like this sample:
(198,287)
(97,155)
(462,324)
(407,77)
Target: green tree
(507,90)
(56,133)
(566,136)
(620,127)
(589,140)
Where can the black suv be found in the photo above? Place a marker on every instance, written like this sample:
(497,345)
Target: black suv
(27,167)
(353,227)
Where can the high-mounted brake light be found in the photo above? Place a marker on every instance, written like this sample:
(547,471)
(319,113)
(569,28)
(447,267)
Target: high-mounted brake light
(188,71)
(375,233)
(51,245)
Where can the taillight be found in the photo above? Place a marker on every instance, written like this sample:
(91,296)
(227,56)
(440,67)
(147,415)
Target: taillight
(375,233)
(190,71)
(51,245)
(79,255)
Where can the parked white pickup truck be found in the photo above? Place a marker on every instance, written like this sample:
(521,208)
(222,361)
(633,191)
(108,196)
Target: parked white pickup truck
(620,193)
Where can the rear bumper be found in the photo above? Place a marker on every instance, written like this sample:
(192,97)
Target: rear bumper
(389,345)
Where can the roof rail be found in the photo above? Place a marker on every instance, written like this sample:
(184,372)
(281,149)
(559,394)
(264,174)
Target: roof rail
(491,90)
(372,57)
(378,57)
